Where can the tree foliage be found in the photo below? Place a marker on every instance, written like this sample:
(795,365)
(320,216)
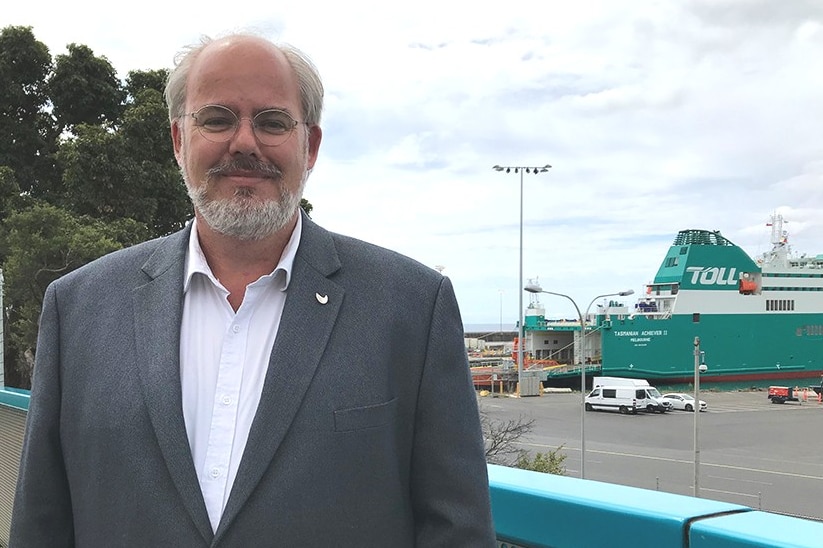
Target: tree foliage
(547,463)
(84,89)
(29,136)
(45,242)
(86,167)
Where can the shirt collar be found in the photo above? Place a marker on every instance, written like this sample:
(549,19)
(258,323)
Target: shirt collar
(196,260)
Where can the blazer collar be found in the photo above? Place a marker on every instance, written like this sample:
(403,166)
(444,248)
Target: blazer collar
(158,309)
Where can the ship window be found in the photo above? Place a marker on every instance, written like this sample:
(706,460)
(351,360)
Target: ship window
(671,261)
(696,317)
(684,250)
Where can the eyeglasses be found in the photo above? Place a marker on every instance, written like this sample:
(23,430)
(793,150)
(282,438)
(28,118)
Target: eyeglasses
(218,124)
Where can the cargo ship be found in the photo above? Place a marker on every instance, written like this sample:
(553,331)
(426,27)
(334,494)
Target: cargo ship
(755,319)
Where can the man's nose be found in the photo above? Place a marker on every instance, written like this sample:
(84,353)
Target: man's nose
(244,140)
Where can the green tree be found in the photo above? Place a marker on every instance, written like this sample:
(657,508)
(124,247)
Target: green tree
(306,206)
(84,89)
(130,173)
(548,463)
(147,139)
(43,243)
(29,135)
(139,80)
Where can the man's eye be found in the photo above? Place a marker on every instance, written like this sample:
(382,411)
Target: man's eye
(275,123)
(217,123)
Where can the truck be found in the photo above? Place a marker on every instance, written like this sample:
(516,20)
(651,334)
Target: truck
(782,394)
(625,399)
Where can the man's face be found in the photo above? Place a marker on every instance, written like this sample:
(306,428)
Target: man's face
(241,187)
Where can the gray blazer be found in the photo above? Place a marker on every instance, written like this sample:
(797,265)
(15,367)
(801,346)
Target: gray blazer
(367,433)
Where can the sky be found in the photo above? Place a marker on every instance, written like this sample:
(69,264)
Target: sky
(656,116)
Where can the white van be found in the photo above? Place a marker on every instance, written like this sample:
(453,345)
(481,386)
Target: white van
(626,399)
(656,401)
(618,381)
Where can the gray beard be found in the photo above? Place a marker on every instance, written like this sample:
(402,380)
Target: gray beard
(243,216)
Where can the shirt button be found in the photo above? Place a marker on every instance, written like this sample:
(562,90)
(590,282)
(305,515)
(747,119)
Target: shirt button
(236,328)
(226,400)
(215,473)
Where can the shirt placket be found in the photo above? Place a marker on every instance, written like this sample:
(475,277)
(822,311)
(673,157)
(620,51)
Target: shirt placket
(224,416)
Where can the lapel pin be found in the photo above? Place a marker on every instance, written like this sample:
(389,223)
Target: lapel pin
(322,299)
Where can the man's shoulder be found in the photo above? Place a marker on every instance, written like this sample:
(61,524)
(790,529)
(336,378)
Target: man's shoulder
(127,262)
(329,251)
(375,257)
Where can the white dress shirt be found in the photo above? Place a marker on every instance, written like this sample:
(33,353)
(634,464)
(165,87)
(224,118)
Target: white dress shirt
(224,357)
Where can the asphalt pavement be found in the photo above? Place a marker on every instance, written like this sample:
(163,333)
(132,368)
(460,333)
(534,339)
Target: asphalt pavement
(751,452)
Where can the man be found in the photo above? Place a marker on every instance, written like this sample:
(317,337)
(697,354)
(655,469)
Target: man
(252,380)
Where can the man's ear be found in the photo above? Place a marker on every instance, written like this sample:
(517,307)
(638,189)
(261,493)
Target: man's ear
(315,136)
(177,141)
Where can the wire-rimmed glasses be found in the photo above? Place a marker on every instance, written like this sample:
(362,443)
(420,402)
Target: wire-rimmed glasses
(218,124)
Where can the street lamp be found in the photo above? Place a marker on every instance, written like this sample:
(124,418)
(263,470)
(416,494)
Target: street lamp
(534,288)
(520,311)
(699,367)
(584,344)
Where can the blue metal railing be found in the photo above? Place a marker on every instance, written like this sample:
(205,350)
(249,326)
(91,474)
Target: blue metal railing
(14,397)
(534,510)
(537,510)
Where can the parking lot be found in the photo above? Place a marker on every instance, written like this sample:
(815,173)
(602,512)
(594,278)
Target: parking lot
(752,452)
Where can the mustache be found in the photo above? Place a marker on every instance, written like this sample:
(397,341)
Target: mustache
(246,164)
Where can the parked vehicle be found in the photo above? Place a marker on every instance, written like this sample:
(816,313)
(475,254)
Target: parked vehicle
(625,399)
(684,402)
(782,394)
(652,400)
(618,381)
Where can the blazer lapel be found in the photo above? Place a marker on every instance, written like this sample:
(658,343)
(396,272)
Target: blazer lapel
(158,307)
(311,309)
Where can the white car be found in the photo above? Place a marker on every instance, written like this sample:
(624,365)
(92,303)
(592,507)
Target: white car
(682,401)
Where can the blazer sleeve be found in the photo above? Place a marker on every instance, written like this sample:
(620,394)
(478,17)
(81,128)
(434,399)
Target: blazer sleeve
(42,514)
(450,487)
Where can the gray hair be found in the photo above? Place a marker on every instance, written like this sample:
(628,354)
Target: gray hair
(308,79)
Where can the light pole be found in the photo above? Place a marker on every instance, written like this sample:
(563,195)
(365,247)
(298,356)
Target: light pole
(521,169)
(699,367)
(534,288)
(584,344)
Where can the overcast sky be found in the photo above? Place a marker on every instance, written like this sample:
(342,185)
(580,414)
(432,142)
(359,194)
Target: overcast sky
(656,116)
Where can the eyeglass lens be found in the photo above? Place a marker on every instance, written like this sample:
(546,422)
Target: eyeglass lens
(218,124)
